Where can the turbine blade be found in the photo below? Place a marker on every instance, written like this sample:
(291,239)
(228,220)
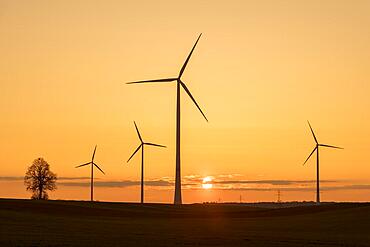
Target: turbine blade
(312,132)
(310,155)
(188,58)
(191,96)
(94,153)
(155,80)
(134,152)
(99,168)
(138,133)
(88,163)
(153,144)
(329,146)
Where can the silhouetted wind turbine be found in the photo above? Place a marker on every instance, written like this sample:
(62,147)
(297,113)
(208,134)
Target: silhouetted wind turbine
(141,146)
(92,163)
(179,83)
(317,162)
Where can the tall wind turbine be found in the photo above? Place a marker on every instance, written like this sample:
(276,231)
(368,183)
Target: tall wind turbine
(179,84)
(317,162)
(141,146)
(92,163)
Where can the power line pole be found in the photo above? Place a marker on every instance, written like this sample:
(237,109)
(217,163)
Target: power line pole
(278,196)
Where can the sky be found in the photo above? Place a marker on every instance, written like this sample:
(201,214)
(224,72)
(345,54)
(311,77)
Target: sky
(260,70)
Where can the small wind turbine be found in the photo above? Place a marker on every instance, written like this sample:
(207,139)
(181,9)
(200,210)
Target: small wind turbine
(141,146)
(92,163)
(179,84)
(317,162)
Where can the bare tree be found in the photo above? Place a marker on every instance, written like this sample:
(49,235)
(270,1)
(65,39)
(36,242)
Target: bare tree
(39,179)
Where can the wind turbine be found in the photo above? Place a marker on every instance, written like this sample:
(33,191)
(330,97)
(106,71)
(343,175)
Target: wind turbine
(317,162)
(179,84)
(141,146)
(92,163)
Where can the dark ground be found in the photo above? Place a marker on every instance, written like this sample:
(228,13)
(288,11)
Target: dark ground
(74,223)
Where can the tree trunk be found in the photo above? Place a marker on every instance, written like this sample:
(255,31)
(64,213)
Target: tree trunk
(40,191)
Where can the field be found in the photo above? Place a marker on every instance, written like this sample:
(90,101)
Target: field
(75,223)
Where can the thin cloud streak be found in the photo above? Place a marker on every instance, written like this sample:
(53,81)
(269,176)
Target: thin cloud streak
(302,189)
(11,178)
(112,184)
(18,178)
(220,182)
(271,182)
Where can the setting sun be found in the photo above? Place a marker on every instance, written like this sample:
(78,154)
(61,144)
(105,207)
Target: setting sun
(206,184)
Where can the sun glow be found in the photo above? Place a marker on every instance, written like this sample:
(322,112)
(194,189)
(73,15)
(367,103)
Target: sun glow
(206,184)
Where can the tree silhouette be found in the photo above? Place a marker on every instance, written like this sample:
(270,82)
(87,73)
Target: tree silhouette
(39,179)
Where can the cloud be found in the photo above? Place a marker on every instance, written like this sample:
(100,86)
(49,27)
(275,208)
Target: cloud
(220,182)
(18,178)
(229,175)
(235,179)
(11,178)
(301,189)
(112,184)
(73,178)
(271,182)
(349,187)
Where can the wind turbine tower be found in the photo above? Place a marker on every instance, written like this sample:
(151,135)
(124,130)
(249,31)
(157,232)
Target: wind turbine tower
(316,149)
(92,163)
(179,84)
(141,146)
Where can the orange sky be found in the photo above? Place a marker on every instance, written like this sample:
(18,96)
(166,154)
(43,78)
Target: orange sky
(260,70)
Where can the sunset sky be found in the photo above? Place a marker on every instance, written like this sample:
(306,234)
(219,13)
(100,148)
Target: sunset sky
(260,70)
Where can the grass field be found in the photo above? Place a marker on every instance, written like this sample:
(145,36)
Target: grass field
(75,223)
